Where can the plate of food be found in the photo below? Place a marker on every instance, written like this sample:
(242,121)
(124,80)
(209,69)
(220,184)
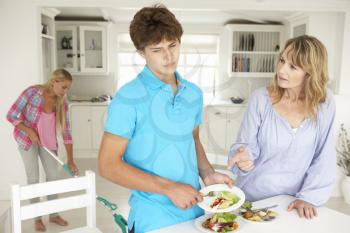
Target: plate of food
(257,215)
(220,198)
(219,222)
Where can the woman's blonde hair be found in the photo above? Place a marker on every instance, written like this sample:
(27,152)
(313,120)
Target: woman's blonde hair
(59,75)
(309,54)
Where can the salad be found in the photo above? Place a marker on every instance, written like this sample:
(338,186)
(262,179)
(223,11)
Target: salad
(224,200)
(220,198)
(221,222)
(260,215)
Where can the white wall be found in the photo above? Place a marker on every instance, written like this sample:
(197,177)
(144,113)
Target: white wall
(344,88)
(332,37)
(342,116)
(342,60)
(92,86)
(19,69)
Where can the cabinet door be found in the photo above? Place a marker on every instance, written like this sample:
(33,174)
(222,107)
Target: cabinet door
(98,124)
(67,48)
(234,120)
(92,49)
(81,127)
(216,129)
(203,132)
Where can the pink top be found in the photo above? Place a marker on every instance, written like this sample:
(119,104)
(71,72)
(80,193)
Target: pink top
(27,110)
(47,130)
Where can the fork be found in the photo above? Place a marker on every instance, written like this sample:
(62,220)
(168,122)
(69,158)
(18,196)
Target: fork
(264,209)
(210,194)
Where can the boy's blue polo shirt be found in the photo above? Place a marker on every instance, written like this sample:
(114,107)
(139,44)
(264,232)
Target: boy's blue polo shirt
(159,127)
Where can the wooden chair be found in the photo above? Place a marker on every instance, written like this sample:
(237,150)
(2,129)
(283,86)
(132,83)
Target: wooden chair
(87,199)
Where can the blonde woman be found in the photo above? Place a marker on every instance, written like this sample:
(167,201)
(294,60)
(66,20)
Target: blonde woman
(36,114)
(285,144)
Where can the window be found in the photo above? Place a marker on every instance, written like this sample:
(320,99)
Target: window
(197,63)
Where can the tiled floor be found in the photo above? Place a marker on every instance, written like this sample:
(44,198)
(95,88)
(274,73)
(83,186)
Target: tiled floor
(119,196)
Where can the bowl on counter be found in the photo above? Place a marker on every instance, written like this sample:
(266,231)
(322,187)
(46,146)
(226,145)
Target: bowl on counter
(237,100)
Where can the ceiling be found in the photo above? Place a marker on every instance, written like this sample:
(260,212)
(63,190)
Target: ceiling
(184,15)
(198,11)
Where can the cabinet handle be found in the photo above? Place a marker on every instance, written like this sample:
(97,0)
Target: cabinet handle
(217,113)
(89,120)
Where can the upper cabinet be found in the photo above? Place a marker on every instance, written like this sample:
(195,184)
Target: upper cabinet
(81,49)
(47,37)
(253,49)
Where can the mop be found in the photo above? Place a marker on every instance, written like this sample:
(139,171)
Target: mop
(118,219)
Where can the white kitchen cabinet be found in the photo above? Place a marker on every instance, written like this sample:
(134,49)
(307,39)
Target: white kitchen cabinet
(81,49)
(67,48)
(98,116)
(81,127)
(216,129)
(220,128)
(87,127)
(234,118)
(253,49)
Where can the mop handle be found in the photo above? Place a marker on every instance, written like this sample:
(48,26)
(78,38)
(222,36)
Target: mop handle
(64,165)
(53,156)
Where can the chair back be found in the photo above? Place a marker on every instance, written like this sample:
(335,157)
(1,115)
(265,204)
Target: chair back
(86,199)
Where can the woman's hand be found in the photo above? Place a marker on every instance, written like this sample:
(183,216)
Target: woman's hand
(242,159)
(304,209)
(73,167)
(184,196)
(217,178)
(33,136)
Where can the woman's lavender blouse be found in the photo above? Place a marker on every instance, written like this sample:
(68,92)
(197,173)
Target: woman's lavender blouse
(301,162)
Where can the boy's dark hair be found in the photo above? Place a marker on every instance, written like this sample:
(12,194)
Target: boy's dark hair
(151,25)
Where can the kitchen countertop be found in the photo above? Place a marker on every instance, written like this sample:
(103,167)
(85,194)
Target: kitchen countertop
(327,221)
(218,103)
(88,103)
(225,103)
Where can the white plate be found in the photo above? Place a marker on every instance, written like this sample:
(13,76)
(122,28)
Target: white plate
(207,201)
(247,220)
(198,223)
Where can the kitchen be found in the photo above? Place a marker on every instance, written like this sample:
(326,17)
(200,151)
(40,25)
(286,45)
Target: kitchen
(206,44)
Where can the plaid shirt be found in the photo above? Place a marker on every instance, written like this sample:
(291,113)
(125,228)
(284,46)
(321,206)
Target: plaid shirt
(27,109)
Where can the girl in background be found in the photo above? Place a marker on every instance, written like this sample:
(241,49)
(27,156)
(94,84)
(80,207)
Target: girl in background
(38,114)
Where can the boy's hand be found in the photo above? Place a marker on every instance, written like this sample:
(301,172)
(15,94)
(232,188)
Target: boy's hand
(242,159)
(183,196)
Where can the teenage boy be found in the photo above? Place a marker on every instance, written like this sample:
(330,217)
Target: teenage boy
(151,142)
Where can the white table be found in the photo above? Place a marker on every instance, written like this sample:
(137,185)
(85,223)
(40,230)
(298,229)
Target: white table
(328,221)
